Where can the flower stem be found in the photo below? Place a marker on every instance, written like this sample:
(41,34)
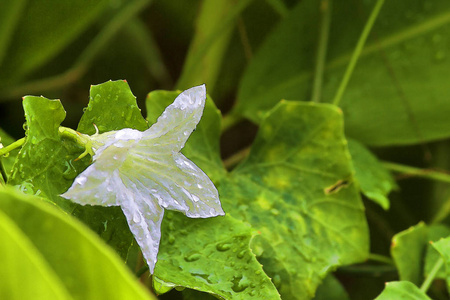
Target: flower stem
(426,284)
(357,52)
(81,139)
(380,258)
(413,171)
(9,148)
(325,7)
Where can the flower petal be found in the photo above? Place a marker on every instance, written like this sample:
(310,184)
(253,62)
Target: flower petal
(175,181)
(95,187)
(144,216)
(179,119)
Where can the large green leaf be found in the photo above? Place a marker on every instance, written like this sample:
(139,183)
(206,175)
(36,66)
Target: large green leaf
(203,145)
(408,251)
(25,275)
(399,80)
(45,28)
(297,189)
(402,290)
(374,180)
(211,255)
(68,256)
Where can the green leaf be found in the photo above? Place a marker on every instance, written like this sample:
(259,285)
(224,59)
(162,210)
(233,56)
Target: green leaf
(331,288)
(112,106)
(203,145)
(402,290)
(45,29)
(211,255)
(84,265)
(296,188)
(374,180)
(44,165)
(24,273)
(396,86)
(443,247)
(408,251)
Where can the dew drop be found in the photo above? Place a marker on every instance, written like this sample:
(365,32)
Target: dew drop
(199,186)
(239,284)
(241,254)
(136,217)
(192,257)
(195,198)
(171,239)
(81,180)
(223,246)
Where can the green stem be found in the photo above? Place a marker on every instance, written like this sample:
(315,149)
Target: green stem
(230,120)
(412,171)
(357,52)
(429,280)
(81,139)
(325,7)
(381,258)
(236,158)
(10,147)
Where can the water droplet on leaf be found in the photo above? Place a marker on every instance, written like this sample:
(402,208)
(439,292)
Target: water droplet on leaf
(223,246)
(192,257)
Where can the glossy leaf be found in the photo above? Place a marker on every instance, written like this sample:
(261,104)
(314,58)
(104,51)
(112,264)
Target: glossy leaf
(408,251)
(396,86)
(212,255)
(63,248)
(374,180)
(297,188)
(112,106)
(402,290)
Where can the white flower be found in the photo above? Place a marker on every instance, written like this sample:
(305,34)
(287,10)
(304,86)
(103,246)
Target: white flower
(144,172)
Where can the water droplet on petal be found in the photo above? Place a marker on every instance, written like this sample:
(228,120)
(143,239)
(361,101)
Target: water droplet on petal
(195,198)
(136,217)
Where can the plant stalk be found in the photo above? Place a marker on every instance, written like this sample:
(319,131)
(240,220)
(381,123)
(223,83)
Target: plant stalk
(357,52)
(429,280)
(325,7)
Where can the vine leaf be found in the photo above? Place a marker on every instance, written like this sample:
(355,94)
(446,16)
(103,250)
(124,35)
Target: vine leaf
(144,172)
